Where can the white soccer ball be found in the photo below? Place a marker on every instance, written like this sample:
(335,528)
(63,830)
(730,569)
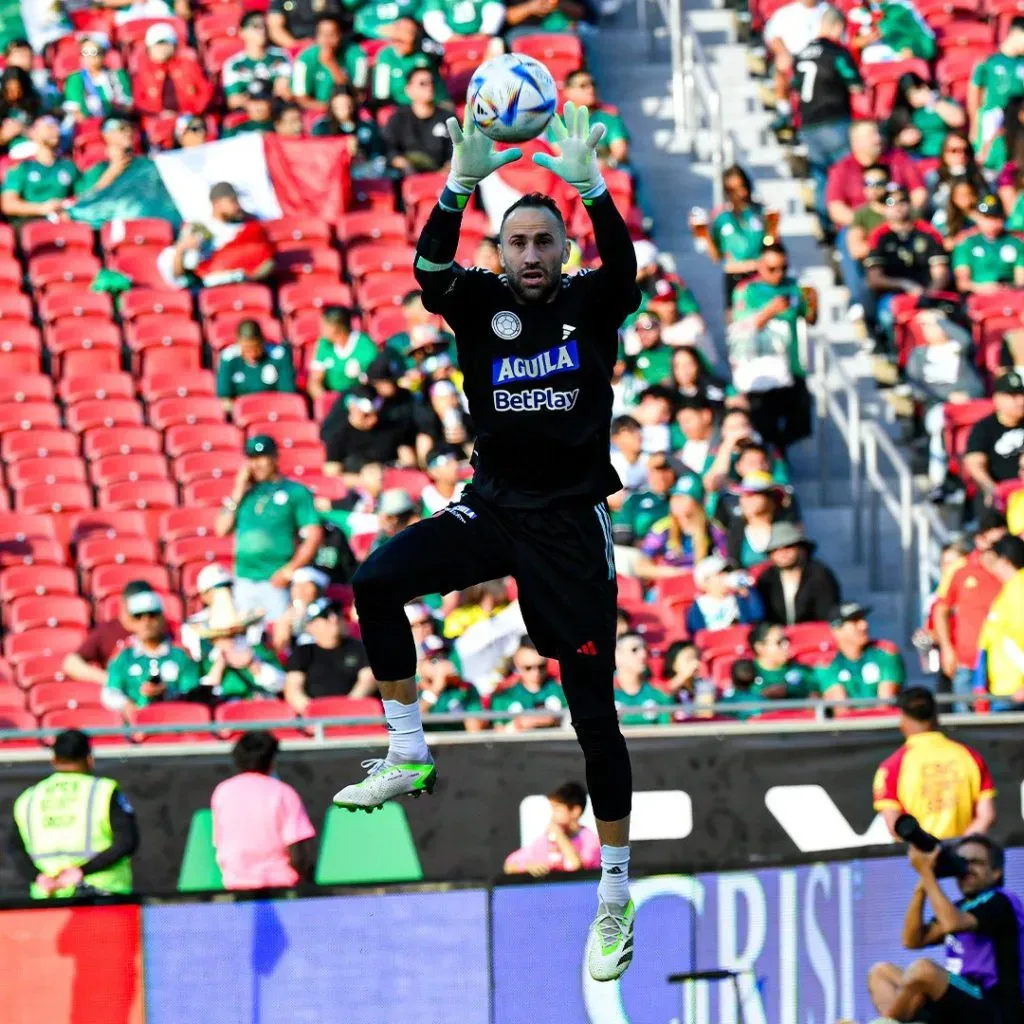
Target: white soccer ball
(512,97)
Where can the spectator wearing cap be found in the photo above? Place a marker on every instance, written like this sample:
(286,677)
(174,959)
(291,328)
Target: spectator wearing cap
(796,587)
(444,467)
(276,530)
(996,442)
(231,666)
(190,130)
(724,597)
(40,185)
(443,691)
(531,688)
(119,138)
(963,605)
(990,258)
(150,667)
(333,665)
(944,784)
(907,257)
(403,54)
(636,699)
(87,847)
(764,349)
(416,316)
(341,356)
(259,110)
(261,832)
(1000,665)
(89,663)
(862,667)
(651,361)
(682,538)
(94,90)
(750,529)
(415,137)
(308,585)
(632,521)
(423,625)
(211,578)
(329,62)
(257,61)
(941,372)
(395,511)
(251,366)
(428,359)
(994,82)
(167,80)
(565,845)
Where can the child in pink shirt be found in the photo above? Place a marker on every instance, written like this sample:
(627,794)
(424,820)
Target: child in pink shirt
(566,845)
(261,831)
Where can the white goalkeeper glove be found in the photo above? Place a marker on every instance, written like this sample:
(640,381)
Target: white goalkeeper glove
(473,156)
(577,144)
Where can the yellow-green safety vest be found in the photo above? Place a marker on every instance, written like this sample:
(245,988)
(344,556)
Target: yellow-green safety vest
(64,822)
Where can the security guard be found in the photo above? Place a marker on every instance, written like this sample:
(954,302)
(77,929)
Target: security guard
(251,365)
(75,831)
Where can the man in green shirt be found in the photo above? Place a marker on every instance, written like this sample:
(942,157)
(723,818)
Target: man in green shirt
(40,185)
(379,19)
(443,19)
(392,65)
(341,355)
(325,65)
(119,137)
(276,527)
(888,31)
(642,509)
(989,258)
(442,691)
(259,111)
(149,668)
(632,686)
(251,365)
(862,667)
(994,83)
(533,689)
(581,89)
(653,363)
(257,62)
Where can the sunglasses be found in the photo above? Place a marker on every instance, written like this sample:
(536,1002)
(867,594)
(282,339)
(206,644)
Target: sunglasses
(897,201)
(90,51)
(195,126)
(147,615)
(776,268)
(876,182)
(539,667)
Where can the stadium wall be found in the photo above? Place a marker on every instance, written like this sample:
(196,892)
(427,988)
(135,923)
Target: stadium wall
(704,801)
(506,955)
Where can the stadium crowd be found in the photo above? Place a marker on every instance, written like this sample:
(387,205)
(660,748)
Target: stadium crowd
(206,421)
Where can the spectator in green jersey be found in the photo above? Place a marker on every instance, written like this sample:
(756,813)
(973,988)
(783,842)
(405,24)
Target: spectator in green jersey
(443,19)
(778,675)
(994,83)
(40,185)
(889,30)
(645,704)
(736,234)
(259,111)
(119,138)
(342,354)
(532,687)
(862,667)
(251,366)
(392,65)
(379,19)
(921,118)
(443,691)
(96,91)
(990,258)
(328,63)
(257,61)
(528,17)
(581,89)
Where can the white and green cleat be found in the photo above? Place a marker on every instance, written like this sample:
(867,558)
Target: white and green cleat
(384,781)
(610,947)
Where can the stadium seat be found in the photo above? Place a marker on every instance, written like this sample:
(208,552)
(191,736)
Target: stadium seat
(372,257)
(368,225)
(341,707)
(208,491)
(174,712)
(108,523)
(205,465)
(302,459)
(138,494)
(560,52)
(63,305)
(44,697)
(360,849)
(58,641)
(28,416)
(183,438)
(165,360)
(57,497)
(85,362)
(140,302)
(311,230)
(307,259)
(199,869)
(85,332)
(313,295)
(100,441)
(139,262)
(106,412)
(37,444)
(15,307)
(40,668)
(53,610)
(110,580)
(47,470)
(188,522)
(224,330)
(113,469)
(44,236)
(786,715)
(172,412)
(98,549)
(87,719)
(16,526)
(385,290)
(287,433)
(272,406)
(26,387)
(258,711)
(235,298)
(22,721)
(167,330)
(199,549)
(99,386)
(182,384)
(140,231)
(12,698)
(32,551)
(413,481)
(71,267)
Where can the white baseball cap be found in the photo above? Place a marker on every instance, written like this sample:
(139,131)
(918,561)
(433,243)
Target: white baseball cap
(161,32)
(307,574)
(211,576)
(708,567)
(146,601)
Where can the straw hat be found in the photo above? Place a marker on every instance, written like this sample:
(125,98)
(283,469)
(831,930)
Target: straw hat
(224,618)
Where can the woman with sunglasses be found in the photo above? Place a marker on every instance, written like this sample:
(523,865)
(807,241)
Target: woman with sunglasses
(737,232)
(921,118)
(956,160)
(96,91)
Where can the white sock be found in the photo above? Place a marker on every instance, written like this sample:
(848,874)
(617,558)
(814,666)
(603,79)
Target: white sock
(405,732)
(614,884)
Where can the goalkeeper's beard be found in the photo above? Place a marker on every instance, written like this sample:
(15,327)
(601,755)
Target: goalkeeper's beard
(539,289)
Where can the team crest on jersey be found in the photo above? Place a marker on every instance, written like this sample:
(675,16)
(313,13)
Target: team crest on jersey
(506,325)
(560,359)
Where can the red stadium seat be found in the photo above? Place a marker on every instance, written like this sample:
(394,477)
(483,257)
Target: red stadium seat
(268,406)
(307,259)
(222,21)
(141,231)
(87,362)
(560,52)
(7,239)
(207,465)
(372,257)
(99,386)
(183,384)
(199,549)
(330,487)
(28,416)
(184,438)
(287,433)
(58,497)
(12,718)
(412,481)
(139,494)
(148,301)
(173,712)
(311,230)
(224,330)
(960,419)
(59,305)
(100,550)
(100,441)
(72,267)
(171,412)
(96,412)
(49,470)
(58,641)
(43,236)
(108,523)
(16,526)
(369,225)
(302,459)
(87,719)
(786,715)
(158,360)
(131,33)
(12,698)
(108,580)
(209,491)
(54,610)
(18,335)
(113,469)
(26,387)
(375,194)
(32,551)
(258,711)
(235,298)
(166,330)
(15,306)
(45,697)
(341,707)
(87,333)
(313,295)
(385,290)
(37,444)
(188,522)
(40,668)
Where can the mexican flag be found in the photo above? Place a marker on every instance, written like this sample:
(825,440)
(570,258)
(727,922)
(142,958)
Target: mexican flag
(274,177)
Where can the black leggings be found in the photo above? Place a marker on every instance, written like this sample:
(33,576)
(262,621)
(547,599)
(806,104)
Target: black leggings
(562,561)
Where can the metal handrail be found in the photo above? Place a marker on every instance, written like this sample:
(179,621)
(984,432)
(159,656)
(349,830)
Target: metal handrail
(932,536)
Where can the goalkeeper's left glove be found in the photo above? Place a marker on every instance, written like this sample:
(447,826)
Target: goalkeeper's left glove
(577,143)
(473,155)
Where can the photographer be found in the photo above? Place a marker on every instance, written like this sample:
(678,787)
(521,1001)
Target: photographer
(981,982)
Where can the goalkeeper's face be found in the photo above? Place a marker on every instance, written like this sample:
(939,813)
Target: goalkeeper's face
(533,249)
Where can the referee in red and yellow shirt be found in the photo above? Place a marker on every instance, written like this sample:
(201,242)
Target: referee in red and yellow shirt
(944,784)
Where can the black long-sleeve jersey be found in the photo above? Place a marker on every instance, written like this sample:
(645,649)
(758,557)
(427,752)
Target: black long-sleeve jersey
(537,374)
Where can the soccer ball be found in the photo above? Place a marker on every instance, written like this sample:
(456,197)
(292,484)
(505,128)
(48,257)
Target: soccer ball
(512,97)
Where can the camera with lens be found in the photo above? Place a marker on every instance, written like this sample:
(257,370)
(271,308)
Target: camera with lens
(949,864)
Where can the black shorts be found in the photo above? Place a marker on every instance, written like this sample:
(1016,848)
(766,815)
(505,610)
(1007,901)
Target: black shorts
(963,1003)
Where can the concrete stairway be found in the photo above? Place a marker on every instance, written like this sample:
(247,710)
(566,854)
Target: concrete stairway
(634,74)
